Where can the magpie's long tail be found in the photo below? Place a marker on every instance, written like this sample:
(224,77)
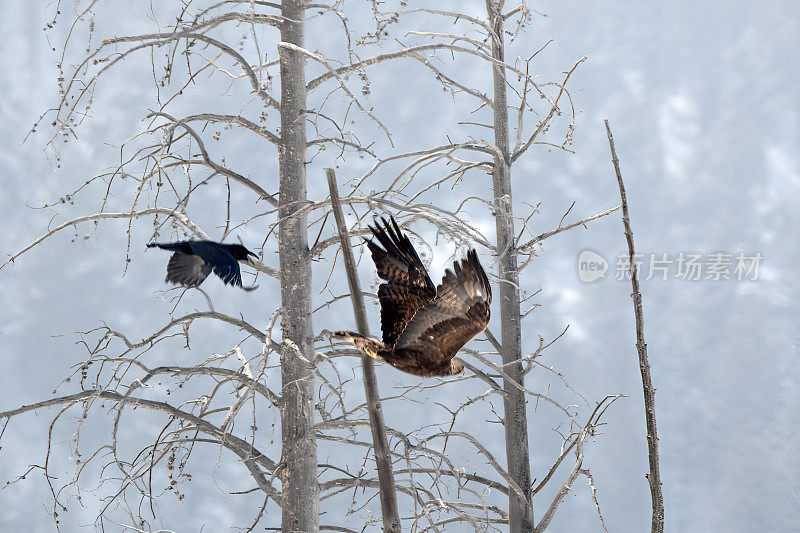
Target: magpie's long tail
(172,246)
(366,345)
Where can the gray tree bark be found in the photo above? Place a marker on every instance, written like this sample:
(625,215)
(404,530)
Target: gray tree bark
(516,423)
(654,476)
(299,495)
(383,462)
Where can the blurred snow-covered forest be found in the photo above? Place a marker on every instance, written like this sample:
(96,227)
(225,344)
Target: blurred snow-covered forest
(704,102)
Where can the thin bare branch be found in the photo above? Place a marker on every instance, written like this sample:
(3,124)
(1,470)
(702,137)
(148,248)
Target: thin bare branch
(409,52)
(177,215)
(333,73)
(654,477)
(212,164)
(249,455)
(553,109)
(524,248)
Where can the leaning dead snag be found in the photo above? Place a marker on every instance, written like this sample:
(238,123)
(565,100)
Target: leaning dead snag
(388,494)
(654,477)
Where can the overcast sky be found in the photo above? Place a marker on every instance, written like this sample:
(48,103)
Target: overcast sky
(704,103)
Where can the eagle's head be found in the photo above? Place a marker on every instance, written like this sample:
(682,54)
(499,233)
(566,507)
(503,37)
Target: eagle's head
(456,366)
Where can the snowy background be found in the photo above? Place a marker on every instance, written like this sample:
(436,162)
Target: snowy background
(704,102)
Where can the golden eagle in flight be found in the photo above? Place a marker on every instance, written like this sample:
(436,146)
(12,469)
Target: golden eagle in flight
(423,326)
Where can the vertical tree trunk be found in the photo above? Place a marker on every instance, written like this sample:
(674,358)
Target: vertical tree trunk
(300,502)
(516,423)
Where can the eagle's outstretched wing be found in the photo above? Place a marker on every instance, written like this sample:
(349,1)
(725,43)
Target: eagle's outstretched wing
(459,311)
(408,286)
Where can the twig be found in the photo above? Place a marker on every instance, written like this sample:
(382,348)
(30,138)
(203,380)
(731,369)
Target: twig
(654,477)
(388,495)
(177,215)
(539,238)
(579,439)
(207,161)
(253,459)
(333,72)
(553,110)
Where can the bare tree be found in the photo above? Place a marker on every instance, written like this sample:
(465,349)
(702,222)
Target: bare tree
(198,42)
(516,421)
(444,470)
(654,476)
(488,47)
(300,502)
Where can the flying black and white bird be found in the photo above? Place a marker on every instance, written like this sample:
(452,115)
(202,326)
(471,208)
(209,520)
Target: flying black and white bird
(193,261)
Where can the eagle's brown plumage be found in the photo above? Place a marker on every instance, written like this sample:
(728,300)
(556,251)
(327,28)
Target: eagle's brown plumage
(423,326)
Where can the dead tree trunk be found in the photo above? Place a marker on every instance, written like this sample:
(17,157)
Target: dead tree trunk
(654,477)
(299,497)
(516,423)
(383,462)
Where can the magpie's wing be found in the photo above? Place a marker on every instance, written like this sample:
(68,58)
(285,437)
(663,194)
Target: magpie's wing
(220,261)
(188,270)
